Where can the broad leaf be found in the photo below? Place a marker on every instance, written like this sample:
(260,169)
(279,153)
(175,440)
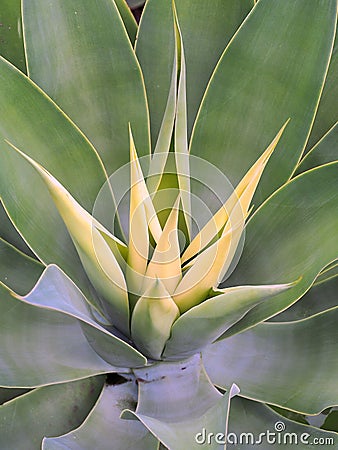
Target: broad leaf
(204,323)
(331,422)
(327,111)
(252,424)
(7,394)
(79,53)
(55,143)
(323,152)
(292,365)
(284,49)
(17,270)
(47,411)
(292,235)
(56,292)
(10,234)
(191,403)
(104,426)
(320,297)
(39,346)
(11,38)
(152,319)
(99,260)
(243,194)
(128,19)
(218,20)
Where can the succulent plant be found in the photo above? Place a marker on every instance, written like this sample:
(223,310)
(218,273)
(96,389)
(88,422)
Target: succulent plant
(145,302)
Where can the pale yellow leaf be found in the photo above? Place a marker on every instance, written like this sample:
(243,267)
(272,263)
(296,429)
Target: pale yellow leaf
(165,263)
(242,194)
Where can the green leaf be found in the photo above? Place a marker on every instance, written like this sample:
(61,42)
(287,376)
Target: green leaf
(323,152)
(320,297)
(17,270)
(292,235)
(218,20)
(128,19)
(56,292)
(47,411)
(152,319)
(291,365)
(7,394)
(36,126)
(11,39)
(272,70)
(9,233)
(204,323)
(331,422)
(99,260)
(79,53)
(103,426)
(191,403)
(249,420)
(330,271)
(181,129)
(40,346)
(327,111)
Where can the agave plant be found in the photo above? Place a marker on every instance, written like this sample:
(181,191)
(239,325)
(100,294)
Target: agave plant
(145,302)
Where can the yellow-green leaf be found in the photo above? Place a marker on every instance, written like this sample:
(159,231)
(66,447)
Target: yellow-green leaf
(242,194)
(165,263)
(152,319)
(96,255)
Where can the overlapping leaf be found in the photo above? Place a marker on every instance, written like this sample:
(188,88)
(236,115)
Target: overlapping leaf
(79,53)
(279,74)
(46,411)
(104,425)
(204,323)
(218,21)
(292,235)
(17,270)
(250,423)
(292,365)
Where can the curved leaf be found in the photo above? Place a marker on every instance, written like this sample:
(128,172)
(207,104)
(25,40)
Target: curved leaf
(7,394)
(35,125)
(10,234)
(325,151)
(11,38)
(128,19)
(331,422)
(47,411)
(320,297)
(273,69)
(327,111)
(56,292)
(152,319)
(39,346)
(99,260)
(191,402)
(292,235)
(104,426)
(165,263)
(79,53)
(292,365)
(204,323)
(17,270)
(218,20)
(250,423)
(243,194)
